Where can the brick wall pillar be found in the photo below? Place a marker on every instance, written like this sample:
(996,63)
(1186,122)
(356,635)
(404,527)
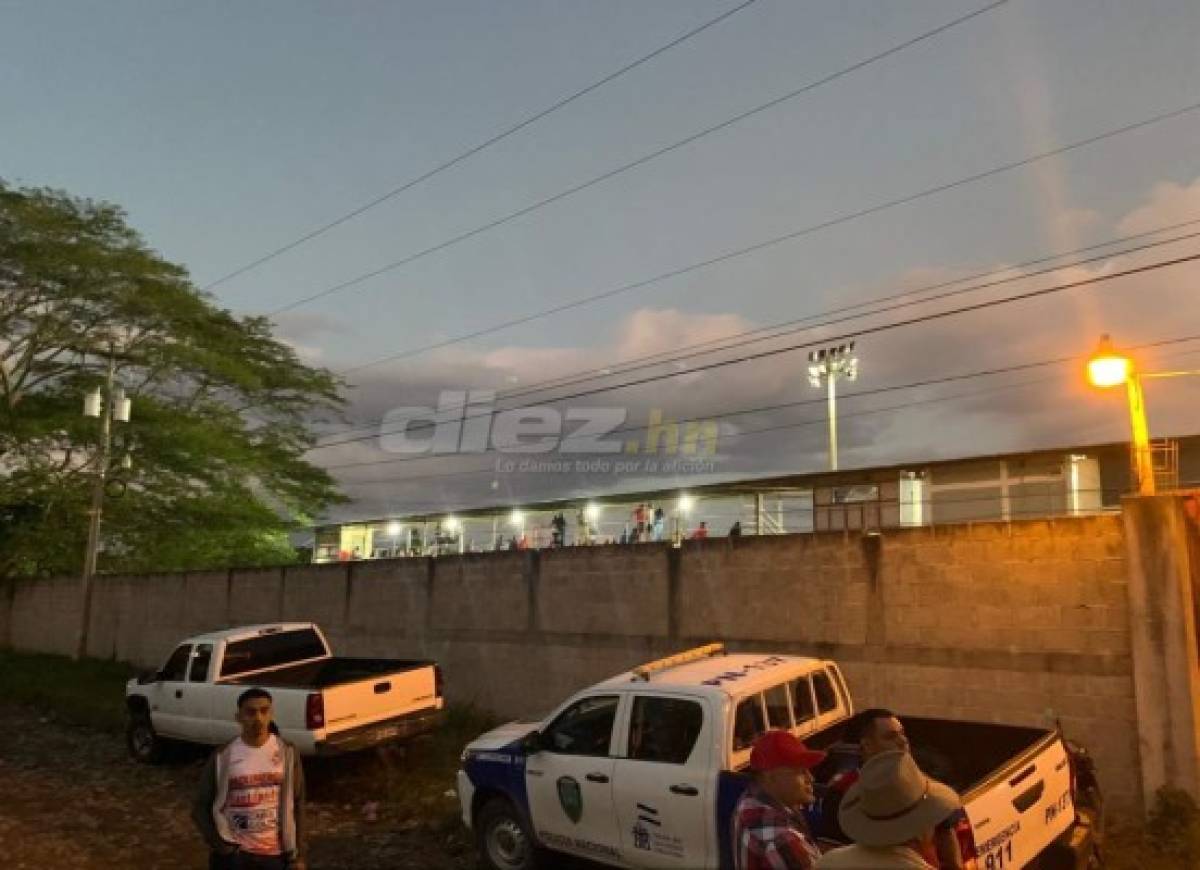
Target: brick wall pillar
(1163,541)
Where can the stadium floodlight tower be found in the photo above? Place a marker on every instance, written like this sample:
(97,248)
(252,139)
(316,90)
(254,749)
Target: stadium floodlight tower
(825,368)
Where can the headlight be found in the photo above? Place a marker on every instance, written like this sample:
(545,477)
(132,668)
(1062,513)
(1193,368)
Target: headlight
(462,758)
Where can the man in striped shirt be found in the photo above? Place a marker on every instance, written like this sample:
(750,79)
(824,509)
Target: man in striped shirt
(769,829)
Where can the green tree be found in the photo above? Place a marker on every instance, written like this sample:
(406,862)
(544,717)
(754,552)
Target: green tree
(223,411)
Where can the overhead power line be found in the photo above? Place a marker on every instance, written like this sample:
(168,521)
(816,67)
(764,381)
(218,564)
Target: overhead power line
(917,296)
(907,404)
(777,240)
(744,412)
(640,161)
(789,327)
(471,152)
(847,336)
(744,433)
(898,306)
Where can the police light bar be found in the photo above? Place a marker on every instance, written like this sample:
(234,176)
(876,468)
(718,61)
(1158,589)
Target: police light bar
(643,672)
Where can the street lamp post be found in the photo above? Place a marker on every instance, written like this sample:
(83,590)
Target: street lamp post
(1110,368)
(108,404)
(824,368)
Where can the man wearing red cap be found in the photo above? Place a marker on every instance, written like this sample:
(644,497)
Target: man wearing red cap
(769,829)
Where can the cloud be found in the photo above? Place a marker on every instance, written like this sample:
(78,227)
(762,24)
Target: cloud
(312,354)
(303,332)
(1071,223)
(306,325)
(1168,203)
(649,331)
(646,332)
(514,369)
(996,414)
(985,415)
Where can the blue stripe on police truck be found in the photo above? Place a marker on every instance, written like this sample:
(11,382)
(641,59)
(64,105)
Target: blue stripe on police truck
(500,770)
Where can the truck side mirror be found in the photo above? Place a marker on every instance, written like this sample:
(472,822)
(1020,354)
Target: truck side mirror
(533,743)
(147,677)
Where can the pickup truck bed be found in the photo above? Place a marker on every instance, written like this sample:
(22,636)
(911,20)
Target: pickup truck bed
(961,754)
(1015,781)
(327,674)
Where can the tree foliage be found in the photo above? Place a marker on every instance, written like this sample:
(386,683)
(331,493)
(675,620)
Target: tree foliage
(222,410)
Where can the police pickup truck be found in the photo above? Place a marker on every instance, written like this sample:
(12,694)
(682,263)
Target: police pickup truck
(643,770)
(323,704)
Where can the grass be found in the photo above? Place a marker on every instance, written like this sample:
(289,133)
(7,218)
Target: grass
(1170,839)
(90,692)
(411,783)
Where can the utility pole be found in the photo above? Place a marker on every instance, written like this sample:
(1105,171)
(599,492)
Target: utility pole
(824,368)
(108,404)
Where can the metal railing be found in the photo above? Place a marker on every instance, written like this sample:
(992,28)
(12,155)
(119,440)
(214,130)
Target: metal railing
(989,504)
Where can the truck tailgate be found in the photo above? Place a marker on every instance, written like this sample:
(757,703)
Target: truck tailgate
(361,702)
(1019,811)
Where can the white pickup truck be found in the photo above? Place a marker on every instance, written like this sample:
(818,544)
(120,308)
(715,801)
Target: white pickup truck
(323,704)
(644,770)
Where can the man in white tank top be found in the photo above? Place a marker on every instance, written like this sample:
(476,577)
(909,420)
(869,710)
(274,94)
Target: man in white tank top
(250,808)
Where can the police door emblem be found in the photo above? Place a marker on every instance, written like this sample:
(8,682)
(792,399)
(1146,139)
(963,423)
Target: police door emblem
(571,798)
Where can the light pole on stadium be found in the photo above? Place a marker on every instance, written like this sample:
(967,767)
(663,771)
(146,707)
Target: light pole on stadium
(825,367)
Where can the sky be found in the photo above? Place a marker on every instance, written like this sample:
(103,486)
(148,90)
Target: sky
(227,130)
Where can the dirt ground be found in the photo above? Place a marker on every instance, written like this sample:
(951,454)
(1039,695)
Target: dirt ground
(72,798)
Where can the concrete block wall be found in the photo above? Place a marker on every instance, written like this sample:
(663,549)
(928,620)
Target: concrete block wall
(805,589)
(527,678)
(256,595)
(481,592)
(1025,623)
(1043,587)
(591,591)
(316,593)
(386,608)
(138,618)
(45,616)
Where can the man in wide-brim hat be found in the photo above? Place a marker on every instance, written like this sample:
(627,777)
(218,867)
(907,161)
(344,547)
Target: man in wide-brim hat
(890,813)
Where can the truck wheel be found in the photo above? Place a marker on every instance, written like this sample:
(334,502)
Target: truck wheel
(504,839)
(144,744)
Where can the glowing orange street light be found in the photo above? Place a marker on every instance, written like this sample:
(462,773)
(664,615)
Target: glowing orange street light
(1108,368)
